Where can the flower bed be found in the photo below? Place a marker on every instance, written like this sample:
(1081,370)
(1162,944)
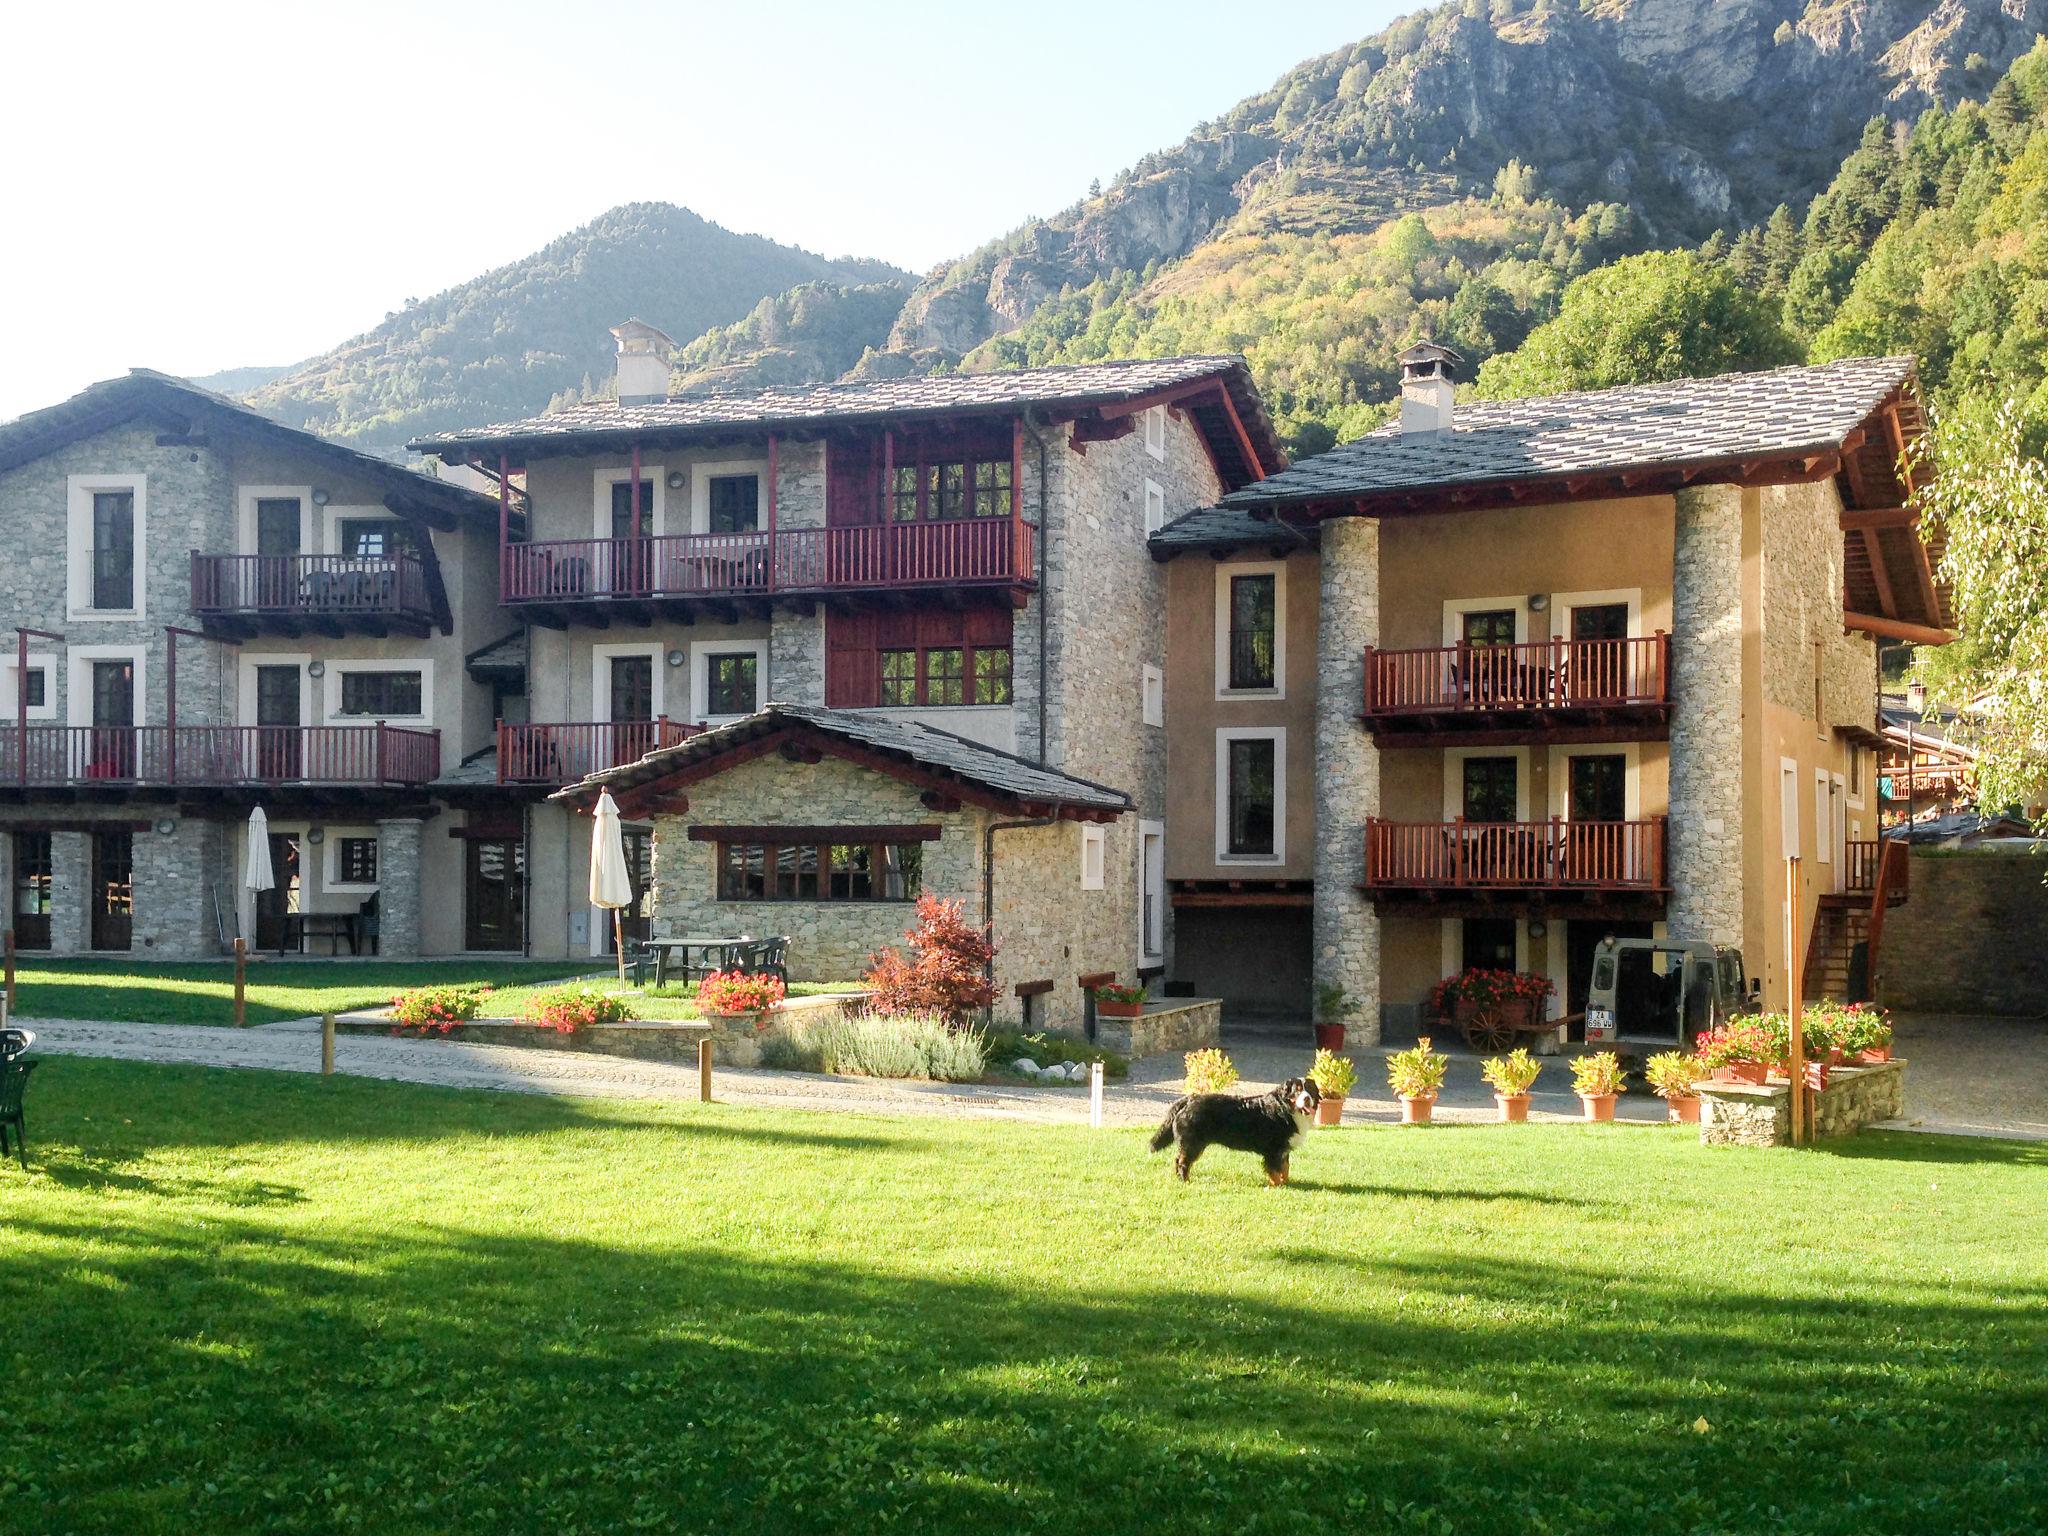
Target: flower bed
(437,1010)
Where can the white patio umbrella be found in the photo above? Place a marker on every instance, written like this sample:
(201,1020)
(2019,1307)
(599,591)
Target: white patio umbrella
(611,884)
(257,875)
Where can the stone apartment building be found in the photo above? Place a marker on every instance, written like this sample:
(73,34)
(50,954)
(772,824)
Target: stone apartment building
(1501,679)
(947,581)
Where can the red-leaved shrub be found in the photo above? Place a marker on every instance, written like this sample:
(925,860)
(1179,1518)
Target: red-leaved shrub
(947,973)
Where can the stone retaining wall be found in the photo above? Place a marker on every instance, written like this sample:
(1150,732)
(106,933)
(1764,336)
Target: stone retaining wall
(1760,1114)
(1182,1025)
(1971,936)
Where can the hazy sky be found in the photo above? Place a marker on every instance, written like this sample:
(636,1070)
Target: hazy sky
(203,186)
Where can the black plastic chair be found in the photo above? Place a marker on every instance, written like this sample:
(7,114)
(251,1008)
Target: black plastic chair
(13,1081)
(769,957)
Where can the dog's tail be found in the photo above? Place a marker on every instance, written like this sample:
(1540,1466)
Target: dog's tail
(1163,1137)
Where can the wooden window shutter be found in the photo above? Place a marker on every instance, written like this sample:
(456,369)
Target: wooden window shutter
(853,674)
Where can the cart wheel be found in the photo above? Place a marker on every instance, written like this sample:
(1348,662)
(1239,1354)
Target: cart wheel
(1487,1031)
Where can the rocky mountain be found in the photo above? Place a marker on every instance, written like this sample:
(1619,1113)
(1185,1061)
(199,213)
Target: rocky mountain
(508,342)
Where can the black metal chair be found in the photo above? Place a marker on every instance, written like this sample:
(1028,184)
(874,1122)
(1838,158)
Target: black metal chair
(769,957)
(13,1081)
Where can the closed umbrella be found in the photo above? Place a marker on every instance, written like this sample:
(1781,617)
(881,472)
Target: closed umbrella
(611,883)
(256,872)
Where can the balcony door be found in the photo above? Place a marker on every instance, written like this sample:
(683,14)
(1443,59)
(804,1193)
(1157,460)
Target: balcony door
(279,744)
(1496,851)
(1599,665)
(111,753)
(631,708)
(277,548)
(1599,851)
(275,906)
(1490,663)
(632,538)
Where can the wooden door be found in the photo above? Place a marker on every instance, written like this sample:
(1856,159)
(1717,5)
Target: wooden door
(495,894)
(113,890)
(32,890)
(279,746)
(282,899)
(111,754)
(1599,660)
(631,708)
(1598,851)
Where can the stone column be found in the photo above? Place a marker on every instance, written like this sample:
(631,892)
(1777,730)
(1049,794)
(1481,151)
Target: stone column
(70,877)
(796,659)
(176,877)
(1347,772)
(1705,839)
(398,889)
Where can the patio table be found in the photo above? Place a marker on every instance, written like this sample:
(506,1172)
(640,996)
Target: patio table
(716,953)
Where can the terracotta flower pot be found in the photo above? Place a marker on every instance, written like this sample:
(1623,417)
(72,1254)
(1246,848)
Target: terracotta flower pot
(1514,1108)
(1874,1056)
(1329,1037)
(1330,1109)
(1118,1010)
(1739,1072)
(1416,1111)
(1598,1106)
(1682,1109)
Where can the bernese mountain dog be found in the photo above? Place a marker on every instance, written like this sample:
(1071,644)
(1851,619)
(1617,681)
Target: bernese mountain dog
(1272,1124)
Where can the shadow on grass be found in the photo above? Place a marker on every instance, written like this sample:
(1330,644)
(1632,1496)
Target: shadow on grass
(1921,1147)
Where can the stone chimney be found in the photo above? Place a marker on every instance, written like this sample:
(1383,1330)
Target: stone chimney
(1426,376)
(1916,698)
(643,362)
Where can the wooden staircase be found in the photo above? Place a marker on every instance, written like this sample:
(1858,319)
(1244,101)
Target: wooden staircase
(1877,883)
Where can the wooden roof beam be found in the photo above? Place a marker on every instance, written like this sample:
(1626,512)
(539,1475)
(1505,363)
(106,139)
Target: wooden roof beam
(1871,519)
(1879,575)
(1896,629)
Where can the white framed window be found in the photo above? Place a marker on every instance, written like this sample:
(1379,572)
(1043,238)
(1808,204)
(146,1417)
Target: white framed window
(628,682)
(611,490)
(274,519)
(400,690)
(1251,629)
(1788,808)
(729,497)
(1476,782)
(1251,794)
(370,533)
(258,694)
(349,860)
(1486,620)
(1155,431)
(728,679)
(42,686)
(1565,605)
(105,682)
(1823,819)
(1152,694)
(1152,889)
(107,533)
(1155,507)
(1092,857)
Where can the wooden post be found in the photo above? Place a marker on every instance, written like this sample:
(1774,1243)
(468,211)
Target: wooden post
(241,979)
(619,941)
(1095,1095)
(1794,981)
(774,498)
(505,524)
(10,970)
(326,1045)
(704,1070)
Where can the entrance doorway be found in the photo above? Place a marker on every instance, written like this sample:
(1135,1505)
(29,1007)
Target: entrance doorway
(32,860)
(282,899)
(636,922)
(112,754)
(278,704)
(632,708)
(494,886)
(113,890)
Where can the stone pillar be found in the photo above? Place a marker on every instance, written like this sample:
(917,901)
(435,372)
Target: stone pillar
(796,659)
(70,876)
(398,889)
(176,877)
(1705,838)
(1347,772)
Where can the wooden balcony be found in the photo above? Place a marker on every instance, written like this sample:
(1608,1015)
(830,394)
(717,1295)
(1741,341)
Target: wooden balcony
(986,558)
(294,594)
(1547,690)
(558,754)
(1591,868)
(114,758)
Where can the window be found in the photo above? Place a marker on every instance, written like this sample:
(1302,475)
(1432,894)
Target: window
(375,538)
(944,675)
(1092,858)
(1820,707)
(1251,803)
(734,504)
(1155,431)
(951,489)
(1488,944)
(992,488)
(820,871)
(731,683)
(1823,819)
(106,546)
(113,550)
(1252,628)
(1155,507)
(899,678)
(36,685)
(1152,694)
(355,860)
(992,675)
(279,525)
(1152,888)
(921,659)
(1788,808)
(380,693)
(1492,626)
(622,509)
(32,890)
(1490,788)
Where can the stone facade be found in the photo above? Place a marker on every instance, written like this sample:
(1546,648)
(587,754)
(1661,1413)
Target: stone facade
(1802,597)
(1163,1028)
(1347,928)
(177,878)
(1705,848)
(796,658)
(70,876)
(399,897)
(1760,1114)
(1971,937)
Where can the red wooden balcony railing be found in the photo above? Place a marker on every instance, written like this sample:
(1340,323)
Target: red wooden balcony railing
(961,551)
(219,754)
(1515,855)
(566,753)
(1866,861)
(1540,675)
(328,586)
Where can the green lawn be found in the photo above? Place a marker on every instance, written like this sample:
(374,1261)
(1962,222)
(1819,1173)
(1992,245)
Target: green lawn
(241,1302)
(278,989)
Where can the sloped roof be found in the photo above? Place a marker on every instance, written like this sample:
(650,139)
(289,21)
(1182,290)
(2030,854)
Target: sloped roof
(1068,389)
(144,391)
(1728,420)
(1230,528)
(909,742)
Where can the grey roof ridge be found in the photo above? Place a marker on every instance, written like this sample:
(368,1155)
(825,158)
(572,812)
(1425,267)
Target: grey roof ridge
(982,747)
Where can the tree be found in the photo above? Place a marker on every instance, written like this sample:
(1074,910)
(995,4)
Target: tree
(1781,250)
(1663,315)
(1989,497)
(948,977)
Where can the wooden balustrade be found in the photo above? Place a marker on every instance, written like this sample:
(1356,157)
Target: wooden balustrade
(219,754)
(1543,675)
(330,586)
(1860,874)
(961,551)
(564,753)
(1515,855)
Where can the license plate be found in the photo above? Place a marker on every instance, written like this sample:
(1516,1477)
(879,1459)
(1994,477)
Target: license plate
(1599,1024)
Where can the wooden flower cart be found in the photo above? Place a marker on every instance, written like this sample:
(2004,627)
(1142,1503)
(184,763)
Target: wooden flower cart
(1498,1026)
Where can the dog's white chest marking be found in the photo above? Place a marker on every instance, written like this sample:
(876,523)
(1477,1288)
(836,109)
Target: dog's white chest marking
(1301,1128)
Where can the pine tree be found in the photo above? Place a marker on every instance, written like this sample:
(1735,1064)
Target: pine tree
(1781,249)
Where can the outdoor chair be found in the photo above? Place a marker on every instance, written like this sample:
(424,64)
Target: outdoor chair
(769,957)
(367,924)
(13,1080)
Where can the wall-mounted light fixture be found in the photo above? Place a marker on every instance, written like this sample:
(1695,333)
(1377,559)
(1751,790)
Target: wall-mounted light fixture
(319,497)
(1537,928)
(165,826)
(316,669)
(675,658)
(1538,601)
(675,479)
(316,835)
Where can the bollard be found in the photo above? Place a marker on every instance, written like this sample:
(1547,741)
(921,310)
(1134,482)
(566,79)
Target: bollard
(326,1045)
(1095,1095)
(704,1070)
(241,980)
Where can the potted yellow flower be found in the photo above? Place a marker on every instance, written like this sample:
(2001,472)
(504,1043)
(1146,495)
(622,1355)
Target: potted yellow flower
(1596,1079)
(1415,1075)
(1675,1078)
(1510,1077)
(1333,1076)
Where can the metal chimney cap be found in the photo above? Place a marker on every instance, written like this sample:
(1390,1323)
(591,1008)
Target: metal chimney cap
(1427,360)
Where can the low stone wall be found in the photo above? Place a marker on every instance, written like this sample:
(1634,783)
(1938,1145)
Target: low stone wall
(1760,1114)
(1184,1024)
